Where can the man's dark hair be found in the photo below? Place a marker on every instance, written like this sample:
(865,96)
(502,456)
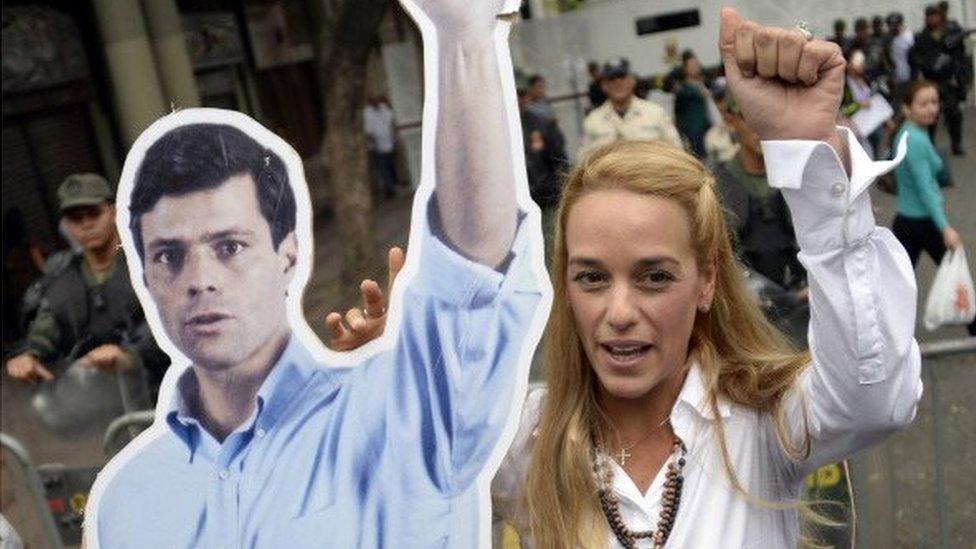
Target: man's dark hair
(535,79)
(860,24)
(839,25)
(198,157)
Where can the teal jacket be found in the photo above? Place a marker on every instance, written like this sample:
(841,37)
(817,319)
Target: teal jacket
(918,190)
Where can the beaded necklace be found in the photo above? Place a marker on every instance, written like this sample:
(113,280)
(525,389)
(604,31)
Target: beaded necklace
(670,500)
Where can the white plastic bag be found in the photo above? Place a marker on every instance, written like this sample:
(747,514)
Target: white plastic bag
(951,299)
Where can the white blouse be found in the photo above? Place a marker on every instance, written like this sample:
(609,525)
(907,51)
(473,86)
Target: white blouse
(864,383)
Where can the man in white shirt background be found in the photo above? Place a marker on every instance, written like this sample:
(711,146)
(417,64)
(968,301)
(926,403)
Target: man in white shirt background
(624,115)
(901,43)
(381,141)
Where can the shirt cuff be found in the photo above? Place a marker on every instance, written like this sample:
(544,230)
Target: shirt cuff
(450,277)
(830,210)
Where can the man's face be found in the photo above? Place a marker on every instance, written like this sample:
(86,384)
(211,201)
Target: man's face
(92,227)
(214,274)
(618,88)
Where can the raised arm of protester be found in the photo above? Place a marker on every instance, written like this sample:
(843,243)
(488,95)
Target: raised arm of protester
(475,175)
(864,382)
(480,255)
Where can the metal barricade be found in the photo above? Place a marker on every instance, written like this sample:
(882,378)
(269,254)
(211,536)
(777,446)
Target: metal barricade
(916,489)
(35,489)
(124,429)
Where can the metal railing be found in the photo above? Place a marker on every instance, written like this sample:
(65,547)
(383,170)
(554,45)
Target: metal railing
(125,428)
(36,490)
(902,493)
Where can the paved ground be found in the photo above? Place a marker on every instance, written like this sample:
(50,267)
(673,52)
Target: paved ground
(905,495)
(906,466)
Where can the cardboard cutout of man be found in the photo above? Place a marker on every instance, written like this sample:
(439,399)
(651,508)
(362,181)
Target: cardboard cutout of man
(258,442)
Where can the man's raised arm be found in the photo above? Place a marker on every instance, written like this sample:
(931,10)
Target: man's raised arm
(476,210)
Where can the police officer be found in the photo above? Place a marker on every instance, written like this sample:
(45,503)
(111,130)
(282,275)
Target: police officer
(84,307)
(940,55)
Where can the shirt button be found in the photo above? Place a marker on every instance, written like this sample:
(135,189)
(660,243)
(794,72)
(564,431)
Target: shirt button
(223,474)
(260,433)
(837,189)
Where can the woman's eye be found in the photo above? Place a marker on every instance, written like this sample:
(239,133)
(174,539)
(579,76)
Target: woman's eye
(657,278)
(589,278)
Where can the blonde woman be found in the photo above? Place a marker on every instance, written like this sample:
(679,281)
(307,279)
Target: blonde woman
(674,413)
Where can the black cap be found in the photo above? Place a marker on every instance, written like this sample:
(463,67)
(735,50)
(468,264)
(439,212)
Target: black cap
(616,66)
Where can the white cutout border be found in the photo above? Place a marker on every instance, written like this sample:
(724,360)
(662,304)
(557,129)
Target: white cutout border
(304,237)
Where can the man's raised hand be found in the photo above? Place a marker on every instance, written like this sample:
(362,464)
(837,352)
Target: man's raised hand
(365,324)
(787,86)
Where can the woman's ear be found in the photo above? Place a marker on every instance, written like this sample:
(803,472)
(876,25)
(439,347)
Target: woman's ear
(707,294)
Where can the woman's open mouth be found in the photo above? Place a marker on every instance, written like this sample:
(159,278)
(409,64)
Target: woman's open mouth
(624,354)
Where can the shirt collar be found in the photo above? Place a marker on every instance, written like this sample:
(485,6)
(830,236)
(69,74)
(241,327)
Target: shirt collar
(693,400)
(289,375)
(694,396)
(632,110)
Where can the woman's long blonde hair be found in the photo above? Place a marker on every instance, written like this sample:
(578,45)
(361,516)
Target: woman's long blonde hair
(742,356)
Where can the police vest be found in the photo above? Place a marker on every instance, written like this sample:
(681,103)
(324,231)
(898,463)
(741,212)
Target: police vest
(89,316)
(761,223)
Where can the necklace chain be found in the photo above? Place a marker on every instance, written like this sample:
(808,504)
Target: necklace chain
(670,499)
(624,452)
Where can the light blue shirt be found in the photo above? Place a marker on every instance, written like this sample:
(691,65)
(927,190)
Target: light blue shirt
(383,454)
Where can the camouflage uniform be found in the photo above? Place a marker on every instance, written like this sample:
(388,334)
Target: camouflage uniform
(72,310)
